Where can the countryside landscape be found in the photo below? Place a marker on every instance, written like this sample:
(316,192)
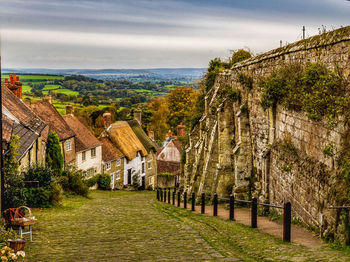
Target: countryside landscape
(175,130)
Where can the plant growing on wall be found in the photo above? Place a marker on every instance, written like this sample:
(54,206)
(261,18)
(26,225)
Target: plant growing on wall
(13,179)
(54,157)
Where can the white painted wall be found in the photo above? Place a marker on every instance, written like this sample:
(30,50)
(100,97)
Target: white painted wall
(135,165)
(90,162)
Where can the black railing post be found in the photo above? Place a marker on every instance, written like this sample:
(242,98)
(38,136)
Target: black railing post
(178,198)
(203,203)
(287,220)
(215,205)
(254,213)
(165,195)
(157,194)
(185,200)
(161,195)
(169,196)
(193,201)
(232,207)
(174,198)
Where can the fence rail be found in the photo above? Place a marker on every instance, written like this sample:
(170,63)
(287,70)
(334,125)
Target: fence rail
(287,208)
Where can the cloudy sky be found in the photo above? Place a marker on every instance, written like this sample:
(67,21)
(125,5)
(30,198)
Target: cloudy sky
(153,33)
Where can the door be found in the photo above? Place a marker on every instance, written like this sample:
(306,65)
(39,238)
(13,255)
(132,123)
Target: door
(129,176)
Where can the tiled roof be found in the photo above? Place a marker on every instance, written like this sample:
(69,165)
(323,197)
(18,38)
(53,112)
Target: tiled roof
(48,113)
(178,145)
(142,136)
(7,127)
(125,139)
(84,138)
(27,137)
(109,151)
(168,167)
(21,112)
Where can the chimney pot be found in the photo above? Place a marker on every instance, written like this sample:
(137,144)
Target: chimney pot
(69,109)
(107,119)
(181,130)
(151,135)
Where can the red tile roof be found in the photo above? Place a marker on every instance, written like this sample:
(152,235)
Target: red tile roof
(84,138)
(109,151)
(168,167)
(48,113)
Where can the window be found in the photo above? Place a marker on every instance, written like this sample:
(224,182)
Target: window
(83,156)
(68,145)
(117,175)
(108,166)
(90,172)
(118,162)
(149,164)
(143,167)
(93,152)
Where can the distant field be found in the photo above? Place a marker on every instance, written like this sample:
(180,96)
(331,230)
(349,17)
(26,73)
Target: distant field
(26,88)
(51,87)
(62,91)
(44,77)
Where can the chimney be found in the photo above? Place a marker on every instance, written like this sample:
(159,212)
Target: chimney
(47,98)
(69,110)
(137,116)
(14,85)
(107,119)
(170,134)
(151,135)
(181,130)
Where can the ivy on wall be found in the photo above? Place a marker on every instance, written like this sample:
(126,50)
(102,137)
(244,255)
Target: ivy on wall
(314,89)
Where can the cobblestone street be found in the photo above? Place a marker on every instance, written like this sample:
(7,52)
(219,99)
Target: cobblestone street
(133,226)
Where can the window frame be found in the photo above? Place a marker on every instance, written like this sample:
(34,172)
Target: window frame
(93,152)
(108,165)
(118,162)
(68,145)
(83,156)
(117,175)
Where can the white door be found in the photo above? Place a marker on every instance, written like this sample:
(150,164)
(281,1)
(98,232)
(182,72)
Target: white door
(112,181)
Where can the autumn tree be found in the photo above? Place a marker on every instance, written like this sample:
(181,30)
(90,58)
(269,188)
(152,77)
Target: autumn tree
(181,105)
(160,115)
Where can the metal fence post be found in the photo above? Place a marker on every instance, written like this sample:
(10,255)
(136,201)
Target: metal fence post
(232,207)
(161,195)
(203,203)
(169,196)
(174,198)
(178,198)
(215,205)
(165,195)
(254,213)
(185,200)
(157,194)
(193,201)
(287,220)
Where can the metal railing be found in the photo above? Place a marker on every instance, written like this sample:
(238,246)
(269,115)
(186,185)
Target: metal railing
(287,208)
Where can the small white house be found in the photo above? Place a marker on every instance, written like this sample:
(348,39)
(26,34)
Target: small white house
(87,147)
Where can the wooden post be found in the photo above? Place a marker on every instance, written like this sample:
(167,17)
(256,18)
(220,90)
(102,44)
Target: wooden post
(174,198)
(254,213)
(169,196)
(157,194)
(165,195)
(185,200)
(203,203)
(287,221)
(215,205)
(178,198)
(161,195)
(193,201)
(232,207)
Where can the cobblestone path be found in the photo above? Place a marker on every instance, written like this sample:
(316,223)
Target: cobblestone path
(122,226)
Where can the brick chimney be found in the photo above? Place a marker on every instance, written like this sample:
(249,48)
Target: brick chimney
(137,116)
(14,85)
(151,135)
(181,130)
(47,98)
(107,119)
(69,110)
(170,134)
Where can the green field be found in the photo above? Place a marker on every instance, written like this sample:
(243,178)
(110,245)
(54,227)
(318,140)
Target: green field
(44,77)
(51,87)
(26,88)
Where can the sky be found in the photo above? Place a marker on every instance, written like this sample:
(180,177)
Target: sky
(154,33)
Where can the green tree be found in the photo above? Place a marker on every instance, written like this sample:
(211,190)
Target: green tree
(54,157)
(240,55)
(13,179)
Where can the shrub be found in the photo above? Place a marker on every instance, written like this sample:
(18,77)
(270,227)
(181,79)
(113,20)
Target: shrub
(104,181)
(38,197)
(44,175)
(73,182)
(54,157)
(92,180)
(6,234)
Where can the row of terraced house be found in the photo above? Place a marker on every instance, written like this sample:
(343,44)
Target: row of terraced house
(122,150)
